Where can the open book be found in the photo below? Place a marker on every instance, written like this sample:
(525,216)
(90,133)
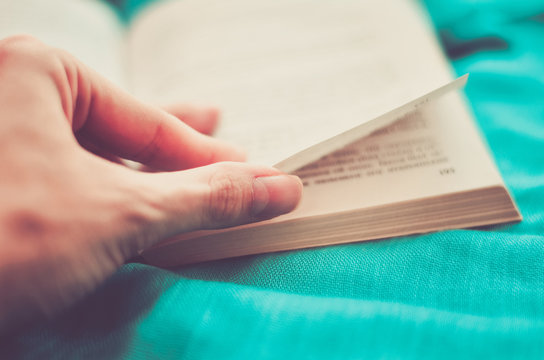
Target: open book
(354,97)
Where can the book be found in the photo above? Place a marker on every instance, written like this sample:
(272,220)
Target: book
(355,97)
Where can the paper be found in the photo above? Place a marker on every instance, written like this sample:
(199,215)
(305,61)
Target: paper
(339,141)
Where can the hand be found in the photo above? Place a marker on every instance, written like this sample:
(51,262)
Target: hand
(69,218)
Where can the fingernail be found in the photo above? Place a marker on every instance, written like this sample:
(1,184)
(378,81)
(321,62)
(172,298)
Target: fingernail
(275,195)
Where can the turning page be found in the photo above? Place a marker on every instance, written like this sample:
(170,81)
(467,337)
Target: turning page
(431,152)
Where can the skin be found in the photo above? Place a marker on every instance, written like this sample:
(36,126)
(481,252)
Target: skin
(71,213)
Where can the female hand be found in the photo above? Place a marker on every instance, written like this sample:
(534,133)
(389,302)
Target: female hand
(68,217)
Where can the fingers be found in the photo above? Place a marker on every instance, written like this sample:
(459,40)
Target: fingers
(203,120)
(217,196)
(103,114)
(120,124)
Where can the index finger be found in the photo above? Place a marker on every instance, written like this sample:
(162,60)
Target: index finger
(116,121)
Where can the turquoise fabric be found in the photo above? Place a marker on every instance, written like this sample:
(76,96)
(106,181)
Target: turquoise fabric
(475,293)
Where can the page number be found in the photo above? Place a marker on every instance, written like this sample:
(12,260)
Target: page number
(447,171)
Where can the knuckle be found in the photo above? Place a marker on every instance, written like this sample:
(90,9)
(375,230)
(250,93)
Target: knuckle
(24,54)
(230,196)
(20,40)
(19,45)
(26,50)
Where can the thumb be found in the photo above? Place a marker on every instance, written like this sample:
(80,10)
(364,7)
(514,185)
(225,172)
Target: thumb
(218,195)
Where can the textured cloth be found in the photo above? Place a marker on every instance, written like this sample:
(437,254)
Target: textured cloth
(475,293)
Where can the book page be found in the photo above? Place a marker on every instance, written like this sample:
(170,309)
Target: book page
(286,74)
(433,151)
(338,141)
(89,29)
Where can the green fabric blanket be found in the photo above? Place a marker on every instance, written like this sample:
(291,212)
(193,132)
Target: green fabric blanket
(475,293)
